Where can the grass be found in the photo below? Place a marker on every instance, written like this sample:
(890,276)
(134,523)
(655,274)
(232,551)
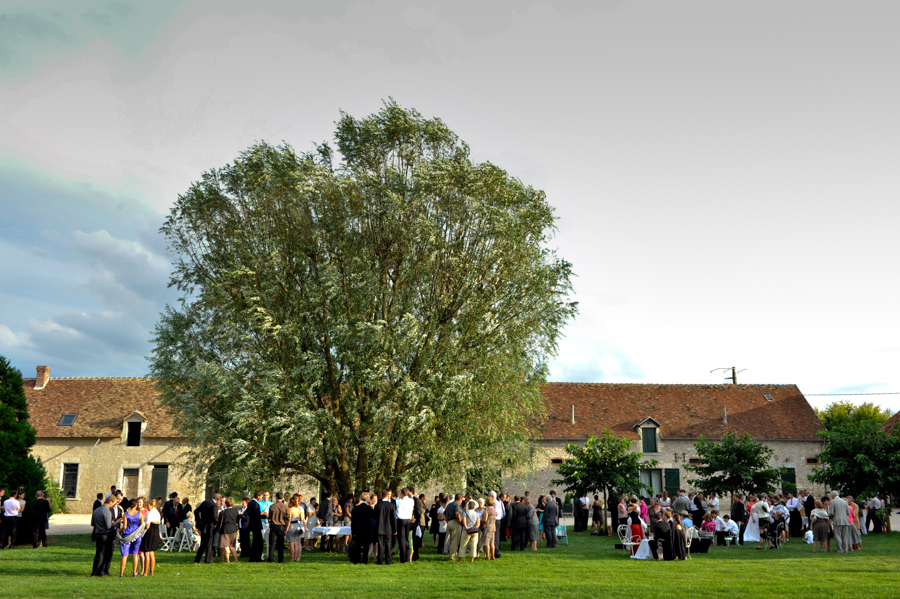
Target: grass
(590,567)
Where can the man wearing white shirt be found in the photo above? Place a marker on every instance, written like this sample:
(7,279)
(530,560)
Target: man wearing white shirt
(872,515)
(405,505)
(795,525)
(501,513)
(11,509)
(730,528)
(712,504)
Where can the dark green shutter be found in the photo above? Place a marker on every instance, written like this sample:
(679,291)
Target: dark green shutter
(673,481)
(789,481)
(159,481)
(649,436)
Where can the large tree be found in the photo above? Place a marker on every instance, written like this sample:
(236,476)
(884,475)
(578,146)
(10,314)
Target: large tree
(734,465)
(844,412)
(606,465)
(860,459)
(18,469)
(381,321)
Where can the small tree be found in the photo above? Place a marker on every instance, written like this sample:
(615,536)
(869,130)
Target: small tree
(18,469)
(733,465)
(843,412)
(860,459)
(606,465)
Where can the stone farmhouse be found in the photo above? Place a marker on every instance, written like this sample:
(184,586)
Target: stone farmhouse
(96,432)
(664,421)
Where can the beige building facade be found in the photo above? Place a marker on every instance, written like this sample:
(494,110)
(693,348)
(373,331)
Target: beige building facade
(93,433)
(664,421)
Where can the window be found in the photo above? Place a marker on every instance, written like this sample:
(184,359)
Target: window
(70,480)
(768,397)
(652,481)
(648,434)
(812,460)
(695,461)
(556,461)
(134,434)
(67,420)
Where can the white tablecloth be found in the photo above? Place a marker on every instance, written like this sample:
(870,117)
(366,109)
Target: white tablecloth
(643,551)
(340,531)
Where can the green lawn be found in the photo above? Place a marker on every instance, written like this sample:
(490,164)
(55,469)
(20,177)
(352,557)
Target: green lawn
(590,567)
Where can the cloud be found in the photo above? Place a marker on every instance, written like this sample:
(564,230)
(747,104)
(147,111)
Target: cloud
(10,340)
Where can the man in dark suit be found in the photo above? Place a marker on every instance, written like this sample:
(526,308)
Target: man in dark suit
(419,523)
(361,529)
(170,511)
(739,515)
(576,506)
(205,519)
(551,521)
(118,515)
(102,523)
(254,517)
(385,527)
(325,516)
(40,513)
(518,517)
(661,532)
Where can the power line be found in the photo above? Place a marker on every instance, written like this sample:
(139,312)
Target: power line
(822,394)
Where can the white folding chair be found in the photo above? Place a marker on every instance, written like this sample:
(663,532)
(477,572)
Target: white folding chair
(165,541)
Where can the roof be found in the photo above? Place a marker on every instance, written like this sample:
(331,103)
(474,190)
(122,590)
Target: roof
(891,424)
(101,405)
(682,411)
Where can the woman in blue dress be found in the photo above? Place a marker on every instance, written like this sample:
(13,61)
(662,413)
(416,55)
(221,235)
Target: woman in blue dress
(130,537)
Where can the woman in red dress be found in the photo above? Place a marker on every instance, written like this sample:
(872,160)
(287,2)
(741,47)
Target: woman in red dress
(637,529)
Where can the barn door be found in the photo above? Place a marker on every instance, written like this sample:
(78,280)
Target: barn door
(130,482)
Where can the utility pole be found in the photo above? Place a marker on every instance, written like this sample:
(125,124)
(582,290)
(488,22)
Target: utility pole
(734,373)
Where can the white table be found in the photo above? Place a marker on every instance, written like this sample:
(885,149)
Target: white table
(643,551)
(337,531)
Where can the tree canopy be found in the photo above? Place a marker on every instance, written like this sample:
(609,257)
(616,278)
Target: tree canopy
(843,412)
(604,465)
(382,321)
(733,465)
(17,467)
(860,459)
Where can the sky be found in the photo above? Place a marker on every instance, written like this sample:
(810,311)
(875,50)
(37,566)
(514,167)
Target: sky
(724,173)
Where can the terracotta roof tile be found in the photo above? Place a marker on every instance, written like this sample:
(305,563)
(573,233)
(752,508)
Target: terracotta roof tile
(683,411)
(891,424)
(101,405)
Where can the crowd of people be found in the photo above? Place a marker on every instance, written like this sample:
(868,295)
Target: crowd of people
(370,526)
(376,525)
(12,510)
(768,521)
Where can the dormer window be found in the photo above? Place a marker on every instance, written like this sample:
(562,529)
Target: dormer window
(133,430)
(134,434)
(648,429)
(67,420)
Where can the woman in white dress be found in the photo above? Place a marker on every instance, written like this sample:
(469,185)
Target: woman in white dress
(751,532)
(311,522)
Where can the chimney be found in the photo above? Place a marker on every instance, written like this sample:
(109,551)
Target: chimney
(573,415)
(724,415)
(42,378)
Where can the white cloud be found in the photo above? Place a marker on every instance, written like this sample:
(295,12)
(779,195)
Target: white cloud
(11,340)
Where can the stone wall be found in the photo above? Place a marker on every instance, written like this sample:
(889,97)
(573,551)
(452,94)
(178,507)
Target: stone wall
(790,454)
(104,465)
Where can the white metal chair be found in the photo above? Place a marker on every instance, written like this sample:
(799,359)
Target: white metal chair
(625,536)
(689,535)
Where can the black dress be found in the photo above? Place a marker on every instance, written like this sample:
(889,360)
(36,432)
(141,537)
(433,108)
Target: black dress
(435,525)
(150,539)
(680,543)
